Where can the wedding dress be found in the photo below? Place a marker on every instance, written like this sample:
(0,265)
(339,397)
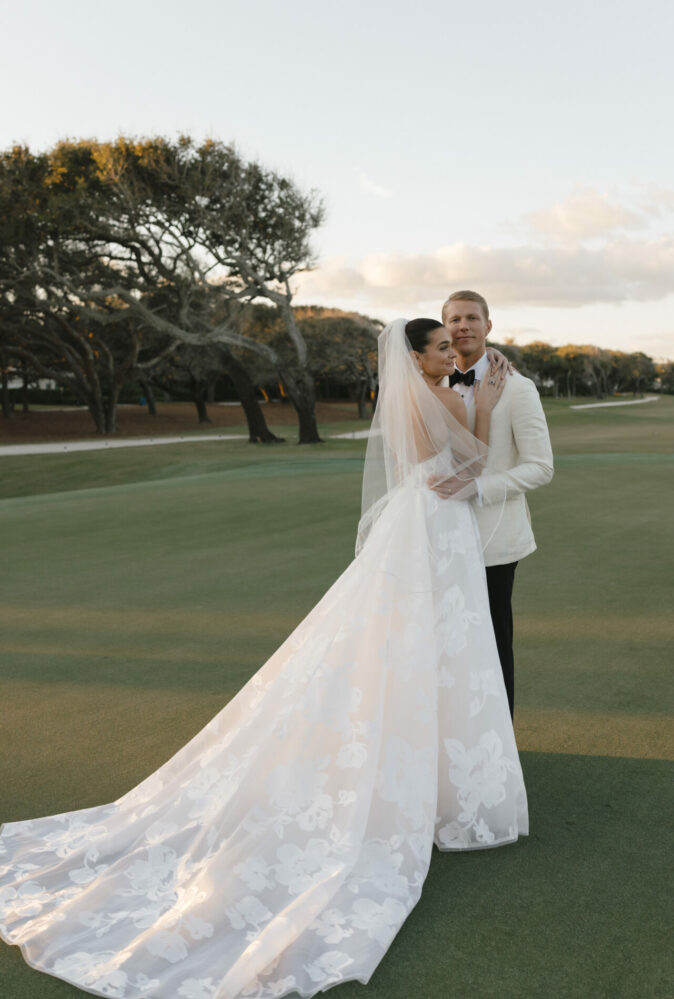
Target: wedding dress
(282,848)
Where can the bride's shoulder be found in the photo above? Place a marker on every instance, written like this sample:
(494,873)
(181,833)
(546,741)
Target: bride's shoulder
(449,398)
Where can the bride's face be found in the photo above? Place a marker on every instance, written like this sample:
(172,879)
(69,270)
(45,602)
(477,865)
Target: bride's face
(437,359)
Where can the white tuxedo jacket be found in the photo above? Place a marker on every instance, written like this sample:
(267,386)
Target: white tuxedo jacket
(520,458)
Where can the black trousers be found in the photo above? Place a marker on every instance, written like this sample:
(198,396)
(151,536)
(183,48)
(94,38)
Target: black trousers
(500,579)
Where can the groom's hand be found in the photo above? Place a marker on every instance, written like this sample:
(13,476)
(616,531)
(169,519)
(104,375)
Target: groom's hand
(449,486)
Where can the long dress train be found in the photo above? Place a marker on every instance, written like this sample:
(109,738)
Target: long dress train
(282,848)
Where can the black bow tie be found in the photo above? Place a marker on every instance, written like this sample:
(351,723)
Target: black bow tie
(458,376)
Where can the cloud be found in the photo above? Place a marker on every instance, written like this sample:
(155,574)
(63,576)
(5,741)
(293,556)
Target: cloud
(585,214)
(657,201)
(371,188)
(563,276)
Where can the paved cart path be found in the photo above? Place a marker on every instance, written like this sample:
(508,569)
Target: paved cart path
(69,447)
(626,402)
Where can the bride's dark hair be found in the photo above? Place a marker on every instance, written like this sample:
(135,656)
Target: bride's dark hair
(418,333)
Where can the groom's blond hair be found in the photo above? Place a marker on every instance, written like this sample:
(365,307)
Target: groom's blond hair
(470,296)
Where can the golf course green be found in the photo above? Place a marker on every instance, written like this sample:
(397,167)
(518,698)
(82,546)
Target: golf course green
(142,587)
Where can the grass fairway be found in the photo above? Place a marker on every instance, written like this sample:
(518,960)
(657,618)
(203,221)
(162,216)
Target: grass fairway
(143,587)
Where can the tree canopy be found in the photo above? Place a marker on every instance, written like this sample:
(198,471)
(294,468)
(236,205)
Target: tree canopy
(156,234)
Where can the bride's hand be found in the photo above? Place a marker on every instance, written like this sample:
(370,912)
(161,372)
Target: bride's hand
(488,391)
(448,486)
(498,363)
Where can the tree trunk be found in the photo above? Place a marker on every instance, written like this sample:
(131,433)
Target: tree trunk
(149,398)
(258,431)
(199,397)
(202,410)
(300,385)
(362,403)
(24,391)
(111,416)
(302,393)
(4,389)
(306,415)
(110,404)
(97,414)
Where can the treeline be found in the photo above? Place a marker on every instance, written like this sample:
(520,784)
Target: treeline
(586,370)
(138,267)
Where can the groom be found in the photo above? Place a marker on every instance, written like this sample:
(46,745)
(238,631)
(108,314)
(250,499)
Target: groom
(520,459)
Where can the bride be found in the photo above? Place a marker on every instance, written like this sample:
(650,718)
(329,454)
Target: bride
(282,848)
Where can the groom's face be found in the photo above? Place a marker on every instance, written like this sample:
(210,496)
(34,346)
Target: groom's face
(468,328)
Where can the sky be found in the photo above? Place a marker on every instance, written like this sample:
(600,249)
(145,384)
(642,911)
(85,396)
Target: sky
(522,149)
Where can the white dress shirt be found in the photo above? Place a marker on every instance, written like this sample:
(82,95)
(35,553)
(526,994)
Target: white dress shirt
(481,367)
